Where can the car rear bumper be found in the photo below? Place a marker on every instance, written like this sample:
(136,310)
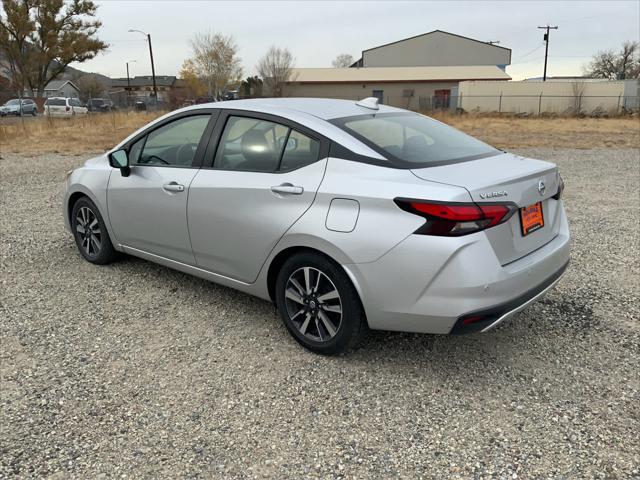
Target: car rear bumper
(428,284)
(485,320)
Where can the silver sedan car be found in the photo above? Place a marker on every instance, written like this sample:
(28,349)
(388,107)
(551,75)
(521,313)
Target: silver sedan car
(347,215)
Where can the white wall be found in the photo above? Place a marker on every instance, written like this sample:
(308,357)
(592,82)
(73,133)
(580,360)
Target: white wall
(543,97)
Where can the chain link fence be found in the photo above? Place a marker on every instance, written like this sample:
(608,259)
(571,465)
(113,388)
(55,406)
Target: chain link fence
(519,105)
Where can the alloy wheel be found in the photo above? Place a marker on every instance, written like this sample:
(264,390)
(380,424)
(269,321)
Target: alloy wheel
(89,232)
(313,304)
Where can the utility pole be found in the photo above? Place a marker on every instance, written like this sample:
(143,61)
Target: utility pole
(153,69)
(129,84)
(546,48)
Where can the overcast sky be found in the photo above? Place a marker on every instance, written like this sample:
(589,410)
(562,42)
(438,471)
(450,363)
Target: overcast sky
(316,32)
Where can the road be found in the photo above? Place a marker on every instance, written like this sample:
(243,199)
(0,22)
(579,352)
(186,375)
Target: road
(133,369)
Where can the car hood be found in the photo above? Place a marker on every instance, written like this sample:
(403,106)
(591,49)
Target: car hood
(9,107)
(100,161)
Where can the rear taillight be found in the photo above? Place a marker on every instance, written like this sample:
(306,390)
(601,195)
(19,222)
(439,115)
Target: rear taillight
(558,195)
(456,219)
(67,108)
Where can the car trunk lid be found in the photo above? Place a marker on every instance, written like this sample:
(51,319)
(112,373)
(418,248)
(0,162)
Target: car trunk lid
(507,178)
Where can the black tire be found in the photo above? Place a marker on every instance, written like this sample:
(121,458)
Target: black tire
(351,325)
(34,112)
(93,243)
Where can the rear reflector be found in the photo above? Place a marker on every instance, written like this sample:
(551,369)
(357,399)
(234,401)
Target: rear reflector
(473,319)
(456,219)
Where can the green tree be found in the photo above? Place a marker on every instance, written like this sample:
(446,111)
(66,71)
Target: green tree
(251,87)
(39,38)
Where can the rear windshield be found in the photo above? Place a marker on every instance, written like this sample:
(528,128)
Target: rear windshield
(411,140)
(57,102)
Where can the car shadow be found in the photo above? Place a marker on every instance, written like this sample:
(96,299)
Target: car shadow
(526,338)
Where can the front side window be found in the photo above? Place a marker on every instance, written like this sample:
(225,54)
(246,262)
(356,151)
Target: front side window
(135,149)
(174,144)
(411,140)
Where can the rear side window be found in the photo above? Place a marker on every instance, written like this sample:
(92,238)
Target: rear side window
(251,144)
(256,145)
(74,102)
(411,140)
(300,151)
(57,102)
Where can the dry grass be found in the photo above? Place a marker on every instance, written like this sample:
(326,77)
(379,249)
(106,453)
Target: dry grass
(560,132)
(94,133)
(76,135)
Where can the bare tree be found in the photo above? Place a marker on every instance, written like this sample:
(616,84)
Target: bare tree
(616,66)
(344,60)
(216,62)
(578,92)
(276,68)
(90,87)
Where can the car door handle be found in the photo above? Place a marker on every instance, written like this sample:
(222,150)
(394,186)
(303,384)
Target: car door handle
(173,187)
(287,189)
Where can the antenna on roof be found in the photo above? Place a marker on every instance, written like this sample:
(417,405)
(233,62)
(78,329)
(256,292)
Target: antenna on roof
(493,42)
(370,102)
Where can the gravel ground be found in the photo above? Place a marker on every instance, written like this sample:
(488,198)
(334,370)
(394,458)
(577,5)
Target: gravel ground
(134,370)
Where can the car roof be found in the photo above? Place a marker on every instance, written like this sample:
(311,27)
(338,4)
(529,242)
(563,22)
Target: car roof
(314,113)
(324,108)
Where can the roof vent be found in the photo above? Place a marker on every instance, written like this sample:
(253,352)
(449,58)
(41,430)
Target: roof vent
(370,102)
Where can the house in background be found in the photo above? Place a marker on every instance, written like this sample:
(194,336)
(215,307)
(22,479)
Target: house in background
(140,88)
(61,88)
(420,73)
(57,88)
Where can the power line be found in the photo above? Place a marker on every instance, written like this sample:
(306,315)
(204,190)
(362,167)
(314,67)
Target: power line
(546,48)
(529,52)
(571,56)
(533,60)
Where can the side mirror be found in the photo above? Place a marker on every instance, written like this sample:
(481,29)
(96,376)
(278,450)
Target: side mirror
(120,159)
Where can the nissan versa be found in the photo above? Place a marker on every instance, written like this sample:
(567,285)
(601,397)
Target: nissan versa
(346,214)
